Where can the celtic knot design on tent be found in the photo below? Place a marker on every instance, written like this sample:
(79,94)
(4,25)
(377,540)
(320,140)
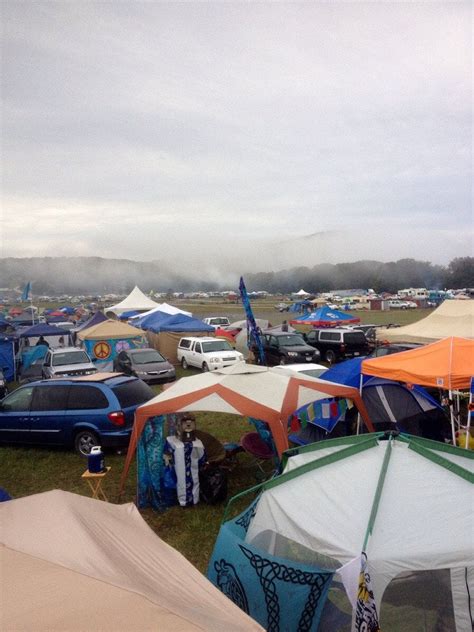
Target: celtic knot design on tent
(246,518)
(229,583)
(269,571)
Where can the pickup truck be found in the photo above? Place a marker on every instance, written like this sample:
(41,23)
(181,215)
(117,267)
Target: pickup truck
(217,321)
(207,353)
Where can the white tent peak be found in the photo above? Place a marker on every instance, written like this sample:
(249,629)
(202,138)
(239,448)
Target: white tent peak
(136,300)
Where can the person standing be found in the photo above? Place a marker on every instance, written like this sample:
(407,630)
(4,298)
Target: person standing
(284,326)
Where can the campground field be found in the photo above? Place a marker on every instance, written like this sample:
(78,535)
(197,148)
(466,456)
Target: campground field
(25,471)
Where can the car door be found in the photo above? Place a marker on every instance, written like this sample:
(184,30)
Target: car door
(87,407)
(196,355)
(124,363)
(48,414)
(15,415)
(274,352)
(312,338)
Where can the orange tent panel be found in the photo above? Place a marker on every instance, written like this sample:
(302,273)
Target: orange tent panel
(446,364)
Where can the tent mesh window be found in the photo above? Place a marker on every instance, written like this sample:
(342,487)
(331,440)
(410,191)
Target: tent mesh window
(422,600)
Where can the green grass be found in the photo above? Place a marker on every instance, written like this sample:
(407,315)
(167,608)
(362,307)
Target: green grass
(25,471)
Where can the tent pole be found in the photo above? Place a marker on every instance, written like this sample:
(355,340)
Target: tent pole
(469,412)
(358,413)
(451,410)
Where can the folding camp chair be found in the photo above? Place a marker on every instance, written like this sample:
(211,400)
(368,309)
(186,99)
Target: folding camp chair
(259,444)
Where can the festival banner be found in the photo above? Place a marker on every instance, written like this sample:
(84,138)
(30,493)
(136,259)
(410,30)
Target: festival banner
(253,334)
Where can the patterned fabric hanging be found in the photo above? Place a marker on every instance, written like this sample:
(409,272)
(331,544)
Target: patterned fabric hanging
(150,465)
(366,619)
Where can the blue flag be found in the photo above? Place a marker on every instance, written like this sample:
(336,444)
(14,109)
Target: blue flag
(251,324)
(26,291)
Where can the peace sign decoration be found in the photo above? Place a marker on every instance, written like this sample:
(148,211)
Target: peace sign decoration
(102,350)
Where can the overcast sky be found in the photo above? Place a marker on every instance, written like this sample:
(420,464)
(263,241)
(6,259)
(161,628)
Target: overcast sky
(223,134)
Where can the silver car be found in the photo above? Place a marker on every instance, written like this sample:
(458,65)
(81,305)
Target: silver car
(67,362)
(147,364)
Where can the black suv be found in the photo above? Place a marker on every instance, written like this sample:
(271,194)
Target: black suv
(338,344)
(285,348)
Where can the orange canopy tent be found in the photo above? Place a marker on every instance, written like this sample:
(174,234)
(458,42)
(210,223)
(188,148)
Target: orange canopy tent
(446,364)
(243,389)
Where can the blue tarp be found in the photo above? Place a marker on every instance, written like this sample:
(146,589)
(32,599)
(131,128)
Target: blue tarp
(159,321)
(43,330)
(7,358)
(30,354)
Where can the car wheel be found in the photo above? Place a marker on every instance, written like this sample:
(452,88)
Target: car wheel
(330,356)
(205,368)
(282,362)
(184,364)
(84,441)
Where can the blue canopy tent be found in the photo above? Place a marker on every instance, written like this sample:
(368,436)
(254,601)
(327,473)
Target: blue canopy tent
(42,329)
(325,317)
(164,331)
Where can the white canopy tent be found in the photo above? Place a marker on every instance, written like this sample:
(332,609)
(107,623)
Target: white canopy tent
(135,301)
(451,318)
(165,308)
(74,563)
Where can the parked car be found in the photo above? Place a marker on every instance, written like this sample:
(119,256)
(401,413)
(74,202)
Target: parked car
(217,321)
(287,348)
(147,364)
(66,362)
(388,349)
(310,368)
(3,384)
(207,353)
(338,344)
(82,412)
(398,304)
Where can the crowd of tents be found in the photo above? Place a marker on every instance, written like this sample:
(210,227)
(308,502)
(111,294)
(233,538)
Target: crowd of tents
(375,525)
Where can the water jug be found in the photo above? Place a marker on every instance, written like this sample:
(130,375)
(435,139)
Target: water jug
(95,460)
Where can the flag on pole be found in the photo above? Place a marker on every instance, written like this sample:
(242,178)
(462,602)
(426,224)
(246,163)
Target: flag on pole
(366,619)
(252,329)
(26,292)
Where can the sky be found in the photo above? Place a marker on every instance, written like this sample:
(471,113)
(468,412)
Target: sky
(237,136)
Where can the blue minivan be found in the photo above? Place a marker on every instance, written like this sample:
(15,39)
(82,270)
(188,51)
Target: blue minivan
(82,412)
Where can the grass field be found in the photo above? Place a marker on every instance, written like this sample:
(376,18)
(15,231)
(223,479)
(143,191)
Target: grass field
(25,471)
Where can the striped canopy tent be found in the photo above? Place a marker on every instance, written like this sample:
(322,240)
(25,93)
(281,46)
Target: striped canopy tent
(247,390)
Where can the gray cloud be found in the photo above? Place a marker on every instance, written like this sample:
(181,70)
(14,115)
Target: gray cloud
(213,132)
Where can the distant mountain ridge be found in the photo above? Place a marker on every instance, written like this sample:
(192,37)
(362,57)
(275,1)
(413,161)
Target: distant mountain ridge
(96,275)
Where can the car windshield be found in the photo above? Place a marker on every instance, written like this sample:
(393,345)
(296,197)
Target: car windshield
(147,357)
(216,345)
(313,372)
(291,340)
(220,321)
(70,357)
